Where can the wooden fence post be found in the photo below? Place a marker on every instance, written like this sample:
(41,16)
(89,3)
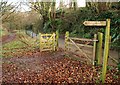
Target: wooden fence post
(53,44)
(57,37)
(106,50)
(99,48)
(66,40)
(40,42)
(94,48)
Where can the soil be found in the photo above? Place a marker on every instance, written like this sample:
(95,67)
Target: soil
(8,38)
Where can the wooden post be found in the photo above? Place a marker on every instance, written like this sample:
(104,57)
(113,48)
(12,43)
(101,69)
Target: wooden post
(94,48)
(40,43)
(106,50)
(53,42)
(57,37)
(99,48)
(66,40)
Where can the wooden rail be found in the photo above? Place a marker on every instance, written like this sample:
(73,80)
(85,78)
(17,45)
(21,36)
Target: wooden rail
(70,41)
(83,39)
(116,61)
(97,46)
(80,49)
(82,45)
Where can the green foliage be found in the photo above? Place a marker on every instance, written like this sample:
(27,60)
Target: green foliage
(73,22)
(14,44)
(46,28)
(73,33)
(3,32)
(119,67)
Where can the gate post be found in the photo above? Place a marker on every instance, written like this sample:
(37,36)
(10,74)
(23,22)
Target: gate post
(57,37)
(99,48)
(94,49)
(53,44)
(66,40)
(106,50)
(40,43)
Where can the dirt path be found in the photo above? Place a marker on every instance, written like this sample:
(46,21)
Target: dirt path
(50,67)
(8,38)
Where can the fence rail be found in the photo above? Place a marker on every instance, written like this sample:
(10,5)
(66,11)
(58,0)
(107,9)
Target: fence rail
(81,45)
(83,39)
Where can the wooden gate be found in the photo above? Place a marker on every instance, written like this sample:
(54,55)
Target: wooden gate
(97,46)
(47,42)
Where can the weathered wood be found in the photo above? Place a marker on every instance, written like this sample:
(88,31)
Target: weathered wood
(46,35)
(53,41)
(57,37)
(80,50)
(83,39)
(106,50)
(116,61)
(94,49)
(47,49)
(47,41)
(40,42)
(95,23)
(99,48)
(82,45)
(66,40)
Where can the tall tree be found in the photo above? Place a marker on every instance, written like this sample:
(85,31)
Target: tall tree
(46,10)
(6,10)
(75,4)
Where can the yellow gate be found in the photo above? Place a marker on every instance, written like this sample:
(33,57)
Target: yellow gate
(47,42)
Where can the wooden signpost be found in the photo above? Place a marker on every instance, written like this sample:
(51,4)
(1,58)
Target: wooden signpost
(95,23)
(106,46)
(106,50)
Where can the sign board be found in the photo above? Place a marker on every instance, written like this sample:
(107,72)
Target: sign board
(95,23)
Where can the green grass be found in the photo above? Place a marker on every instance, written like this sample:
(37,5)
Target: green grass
(2,32)
(18,46)
(28,39)
(14,44)
(10,47)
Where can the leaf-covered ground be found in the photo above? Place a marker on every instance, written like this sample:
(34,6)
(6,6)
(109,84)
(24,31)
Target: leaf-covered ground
(52,67)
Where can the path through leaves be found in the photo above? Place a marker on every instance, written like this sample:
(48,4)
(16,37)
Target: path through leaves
(51,67)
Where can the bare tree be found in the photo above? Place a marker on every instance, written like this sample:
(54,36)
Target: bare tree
(6,10)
